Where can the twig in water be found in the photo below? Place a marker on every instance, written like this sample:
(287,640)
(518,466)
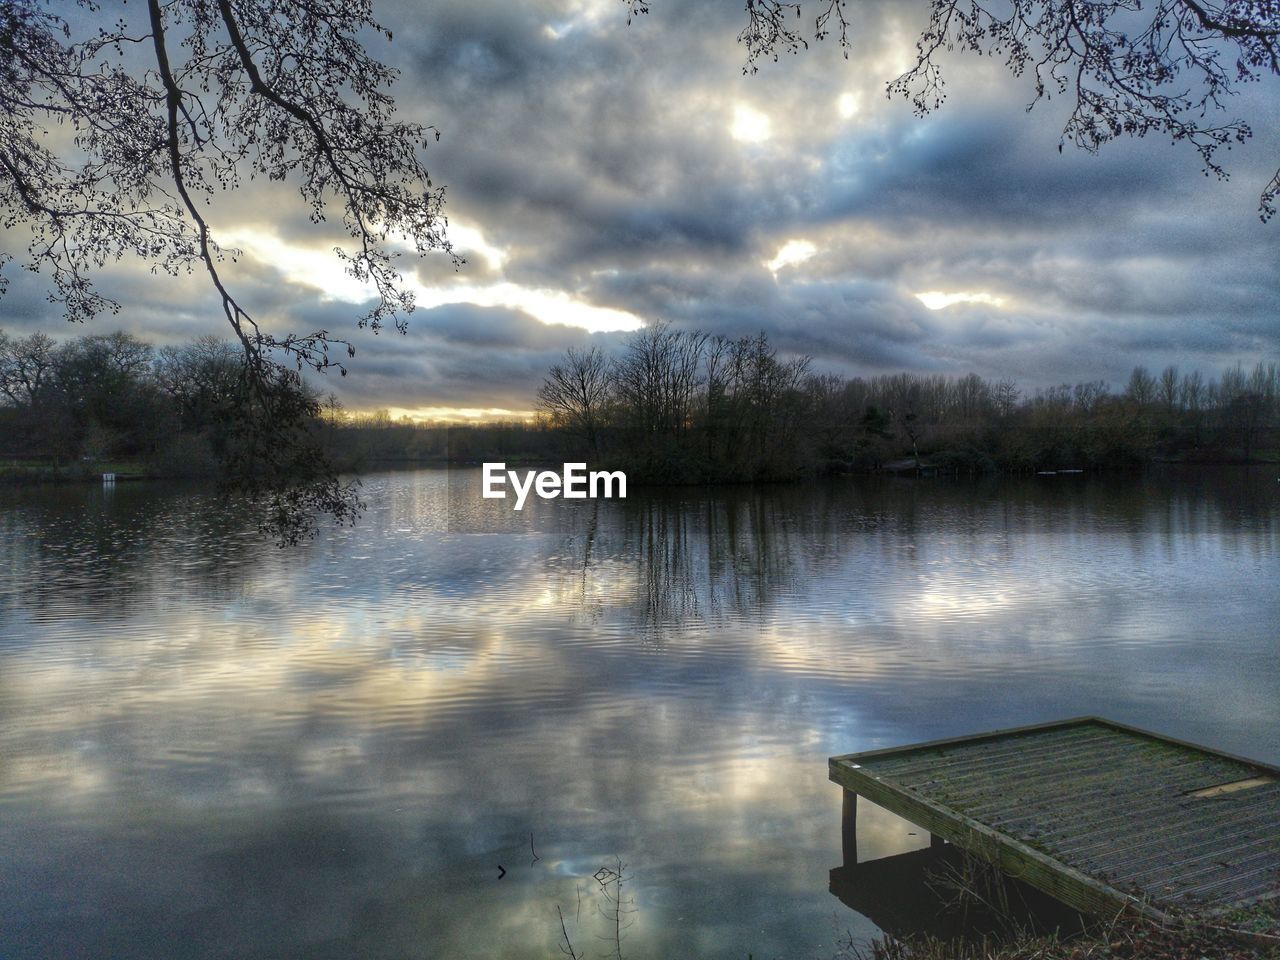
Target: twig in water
(567,947)
(608,877)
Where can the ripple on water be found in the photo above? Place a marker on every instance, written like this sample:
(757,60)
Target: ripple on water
(660,679)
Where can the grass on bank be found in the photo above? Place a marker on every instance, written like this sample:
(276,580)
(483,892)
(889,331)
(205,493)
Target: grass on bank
(1262,918)
(1121,939)
(1250,932)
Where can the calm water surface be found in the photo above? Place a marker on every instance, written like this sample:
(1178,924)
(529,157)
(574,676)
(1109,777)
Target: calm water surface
(210,747)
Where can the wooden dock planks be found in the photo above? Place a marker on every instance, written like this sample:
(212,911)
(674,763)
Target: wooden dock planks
(1096,813)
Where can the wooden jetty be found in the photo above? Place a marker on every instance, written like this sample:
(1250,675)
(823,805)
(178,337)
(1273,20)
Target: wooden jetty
(1100,815)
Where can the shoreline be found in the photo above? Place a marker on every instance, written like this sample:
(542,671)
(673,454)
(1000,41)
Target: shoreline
(20,473)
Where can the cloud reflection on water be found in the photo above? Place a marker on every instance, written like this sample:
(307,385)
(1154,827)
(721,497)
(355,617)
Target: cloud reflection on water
(259,753)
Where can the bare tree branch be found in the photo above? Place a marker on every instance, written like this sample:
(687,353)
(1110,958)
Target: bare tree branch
(233,89)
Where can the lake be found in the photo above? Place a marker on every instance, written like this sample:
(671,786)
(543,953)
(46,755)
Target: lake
(423,736)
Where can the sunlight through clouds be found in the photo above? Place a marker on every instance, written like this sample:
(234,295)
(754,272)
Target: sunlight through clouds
(321,270)
(791,253)
(548,306)
(750,125)
(467,240)
(458,414)
(586,14)
(938,299)
(308,266)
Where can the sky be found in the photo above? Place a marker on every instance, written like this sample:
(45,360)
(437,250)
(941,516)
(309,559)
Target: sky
(600,176)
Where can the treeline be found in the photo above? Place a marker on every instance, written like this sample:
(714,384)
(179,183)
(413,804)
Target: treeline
(112,397)
(672,406)
(684,406)
(187,410)
(969,424)
(113,400)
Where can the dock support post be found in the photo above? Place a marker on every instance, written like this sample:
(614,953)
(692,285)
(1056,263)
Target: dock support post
(849,828)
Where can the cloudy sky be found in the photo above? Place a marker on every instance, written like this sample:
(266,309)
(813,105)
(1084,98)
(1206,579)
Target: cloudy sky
(601,175)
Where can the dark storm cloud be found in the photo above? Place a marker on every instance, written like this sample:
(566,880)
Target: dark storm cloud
(680,222)
(600,161)
(460,355)
(982,168)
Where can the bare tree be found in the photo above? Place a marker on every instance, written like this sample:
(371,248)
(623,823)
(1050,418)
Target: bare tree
(1088,396)
(1141,388)
(1005,396)
(657,378)
(972,398)
(906,405)
(178,101)
(1128,68)
(1247,402)
(1167,388)
(575,392)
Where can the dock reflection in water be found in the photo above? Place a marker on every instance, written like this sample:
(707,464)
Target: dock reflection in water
(934,890)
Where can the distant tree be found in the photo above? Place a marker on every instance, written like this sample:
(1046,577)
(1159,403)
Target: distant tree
(334,414)
(972,398)
(1192,395)
(656,380)
(90,396)
(1116,436)
(108,399)
(575,392)
(102,363)
(1087,396)
(177,101)
(1168,388)
(906,407)
(1132,69)
(1141,388)
(26,372)
(26,365)
(873,430)
(1247,403)
(1005,396)
(765,397)
(202,378)
(831,421)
